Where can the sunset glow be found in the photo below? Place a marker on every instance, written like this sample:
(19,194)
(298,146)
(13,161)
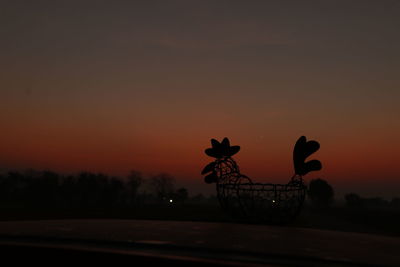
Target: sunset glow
(146,87)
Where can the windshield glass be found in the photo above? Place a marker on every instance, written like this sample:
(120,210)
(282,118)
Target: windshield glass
(278,113)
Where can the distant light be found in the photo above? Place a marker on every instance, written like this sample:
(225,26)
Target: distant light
(170,201)
(273,200)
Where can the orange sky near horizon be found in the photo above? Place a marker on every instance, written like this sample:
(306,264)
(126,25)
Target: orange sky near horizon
(110,88)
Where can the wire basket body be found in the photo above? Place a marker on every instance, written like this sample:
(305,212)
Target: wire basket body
(264,202)
(267,202)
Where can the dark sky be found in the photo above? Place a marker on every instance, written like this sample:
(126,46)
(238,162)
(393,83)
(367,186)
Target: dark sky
(117,85)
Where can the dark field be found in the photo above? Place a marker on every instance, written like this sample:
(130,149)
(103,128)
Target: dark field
(383,221)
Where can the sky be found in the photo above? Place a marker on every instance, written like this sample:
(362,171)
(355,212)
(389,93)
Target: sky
(110,86)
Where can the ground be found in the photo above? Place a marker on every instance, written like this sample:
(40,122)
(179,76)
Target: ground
(374,220)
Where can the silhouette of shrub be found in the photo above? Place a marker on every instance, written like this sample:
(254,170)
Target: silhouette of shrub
(320,193)
(353,200)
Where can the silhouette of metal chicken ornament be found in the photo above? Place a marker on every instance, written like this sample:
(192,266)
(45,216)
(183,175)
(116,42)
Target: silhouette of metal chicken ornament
(265,202)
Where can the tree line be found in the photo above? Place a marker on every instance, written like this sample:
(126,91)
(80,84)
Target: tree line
(355,201)
(87,189)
